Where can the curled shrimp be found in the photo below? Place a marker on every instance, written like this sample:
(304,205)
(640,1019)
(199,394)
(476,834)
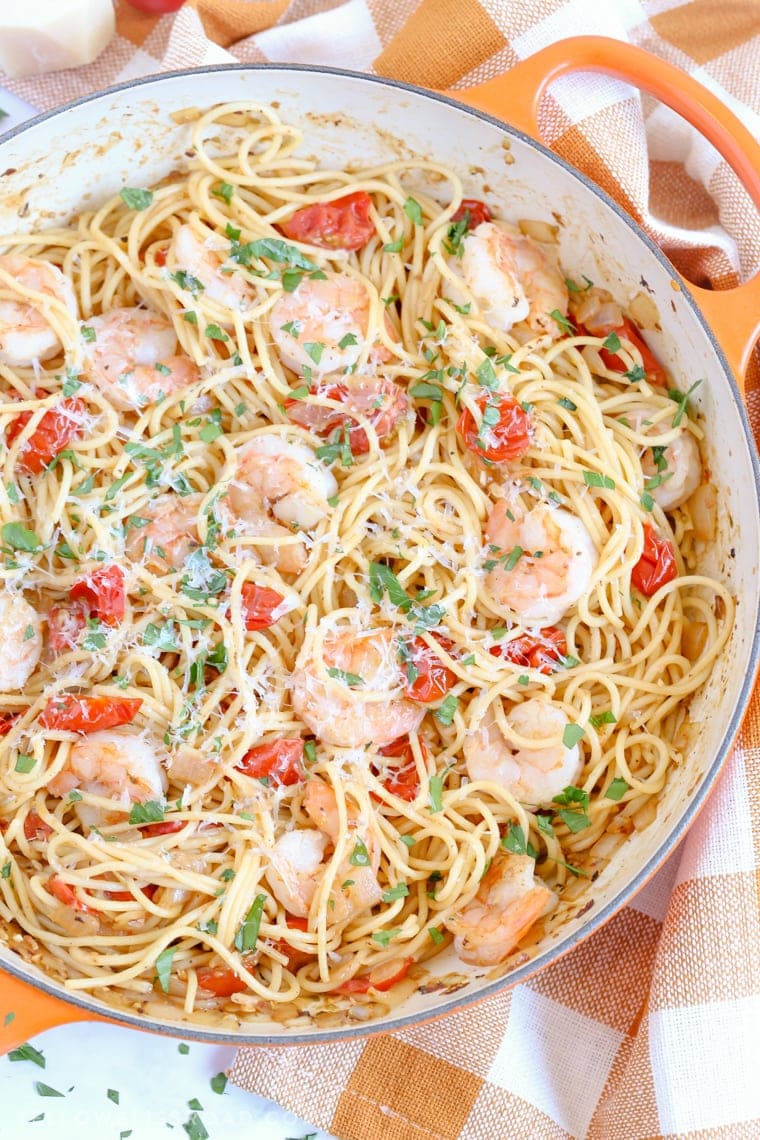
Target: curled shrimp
(20,641)
(540,562)
(512,279)
(117,766)
(279,489)
(323,325)
(357,696)
(525,754)
(677,473)
(171,534)
(380,401)
(25,331)
(132,358)
(297,861)
(201,267)
(509,901)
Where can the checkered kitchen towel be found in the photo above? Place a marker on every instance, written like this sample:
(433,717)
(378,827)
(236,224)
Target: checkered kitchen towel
(651,1028)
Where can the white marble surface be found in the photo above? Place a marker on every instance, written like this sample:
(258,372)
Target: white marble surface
(153,1079)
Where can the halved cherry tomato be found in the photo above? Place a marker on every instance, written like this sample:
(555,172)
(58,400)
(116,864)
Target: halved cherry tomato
(296,958)
(508,438)
(382,402)
(156,7)
(541,651)
(342,224)
(65,894)
(65,626)
(128,896)
(381,979)
(221,980)
(36,828)
(655,372)
(103,591)
(7,722)
(477,210)
(53,433)
(88,714)
(434,679)
(401,779)
(166,827)
(657,564)
(280,761)
(259,604)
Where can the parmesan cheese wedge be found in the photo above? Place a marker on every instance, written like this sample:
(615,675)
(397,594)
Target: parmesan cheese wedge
(48,35)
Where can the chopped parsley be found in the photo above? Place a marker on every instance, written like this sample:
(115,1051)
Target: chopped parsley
(413,211)
(572,734)
(384,936)
(606,717)
(595,479)
(561,320)
(444,714)
(612,343)
(248,934)
(360,855)
(18,537)
(136,199)
(353,680)
(516,842)
(400,891)
(27,1052)
(149,812)
(617,789)
(682,399)
(224,190)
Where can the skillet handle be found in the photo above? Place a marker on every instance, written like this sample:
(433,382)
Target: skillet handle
(514,96)
(33,1012)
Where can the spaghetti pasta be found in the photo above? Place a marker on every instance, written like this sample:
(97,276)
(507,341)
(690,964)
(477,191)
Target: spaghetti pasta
(352,597)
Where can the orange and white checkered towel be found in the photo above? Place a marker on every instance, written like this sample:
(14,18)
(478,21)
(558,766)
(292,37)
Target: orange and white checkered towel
(651,1028)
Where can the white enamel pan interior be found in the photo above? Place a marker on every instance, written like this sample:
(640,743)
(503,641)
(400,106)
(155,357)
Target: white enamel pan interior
(74,158)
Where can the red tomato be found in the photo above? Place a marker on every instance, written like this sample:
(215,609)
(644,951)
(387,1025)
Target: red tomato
(221,980)
(259,604)
(161,255)
(53,433)
(296,958)
(656,374)
(280,761)
(103,591)
(541,652)
(381,979)
(342,224)
(382,402)
(434,679)
(167,827)
(7,722)
(36,828)
(657,564)
(477,210)
(401,779)
(508,438)
(129,896)
(156,7)
(65,894)
(88,714)
(65,625)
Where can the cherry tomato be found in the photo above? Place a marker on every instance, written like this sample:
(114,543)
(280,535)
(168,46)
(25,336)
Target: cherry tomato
(383,978)
(541,652)
(478,212)
(507,438)
(259,604)
(657,564)
(402,779)
(7,722)
(156,7)
(296,958)
(342,224)
(129,896)
(655,372)
(53,433)
(221,980)
(280,761)
(103,591)
(88,714)
(65,894)
(166,827)
(434,679)
(36,828)
(65,626)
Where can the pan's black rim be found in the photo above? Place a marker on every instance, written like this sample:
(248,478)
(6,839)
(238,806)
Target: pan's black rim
(596,920)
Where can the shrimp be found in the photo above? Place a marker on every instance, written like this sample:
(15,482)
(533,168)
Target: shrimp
(170,536)
(679,468)
(297,862)
(530,759)
(132,358)
(509,901)
(202,266)
(25,331)
(543,561)
(280,488)
(380,401)
(322,325)
(360,699)
(20,641)
(512,279)
(115,765)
